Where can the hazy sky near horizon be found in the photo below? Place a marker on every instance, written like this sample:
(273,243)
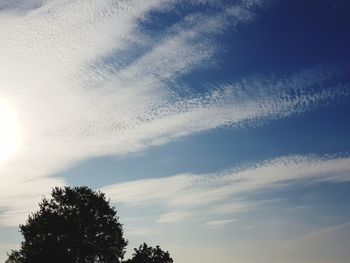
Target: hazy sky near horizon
(218,129)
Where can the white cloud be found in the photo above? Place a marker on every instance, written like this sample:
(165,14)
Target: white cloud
(80,90)
(173,217)
(218,223)
(71,104)
(224,192)
(239,206)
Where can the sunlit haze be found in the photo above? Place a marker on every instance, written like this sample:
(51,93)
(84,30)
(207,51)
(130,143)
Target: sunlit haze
(9,131)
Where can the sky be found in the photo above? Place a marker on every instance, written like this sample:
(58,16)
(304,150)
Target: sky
(218,129)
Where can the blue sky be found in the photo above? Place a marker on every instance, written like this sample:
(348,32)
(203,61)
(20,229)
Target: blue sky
(219,129)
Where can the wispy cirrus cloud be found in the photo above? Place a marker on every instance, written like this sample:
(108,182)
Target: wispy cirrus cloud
(240,205)
(80,89)
(218,223)
(70,72)
(226,192)
(173,217)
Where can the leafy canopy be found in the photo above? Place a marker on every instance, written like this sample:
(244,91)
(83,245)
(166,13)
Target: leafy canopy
(75,225)
(146,254)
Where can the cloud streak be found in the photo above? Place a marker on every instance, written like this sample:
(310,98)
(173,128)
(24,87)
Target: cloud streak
(173,217)
(80,90)
(226,192)
(218,223)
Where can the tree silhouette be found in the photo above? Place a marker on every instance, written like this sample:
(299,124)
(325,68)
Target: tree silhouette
(76,225)
(146,254)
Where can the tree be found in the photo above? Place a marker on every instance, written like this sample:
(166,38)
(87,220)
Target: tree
(146,254)
(76,225)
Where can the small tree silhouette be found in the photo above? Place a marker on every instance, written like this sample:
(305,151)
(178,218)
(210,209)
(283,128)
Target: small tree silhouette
(146,254)
(77,225)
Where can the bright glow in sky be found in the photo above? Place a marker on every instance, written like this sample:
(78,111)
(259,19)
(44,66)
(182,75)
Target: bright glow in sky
(219,129)
(9,132)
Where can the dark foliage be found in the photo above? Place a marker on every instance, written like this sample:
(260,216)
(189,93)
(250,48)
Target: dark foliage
(146,254)
(76,225)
